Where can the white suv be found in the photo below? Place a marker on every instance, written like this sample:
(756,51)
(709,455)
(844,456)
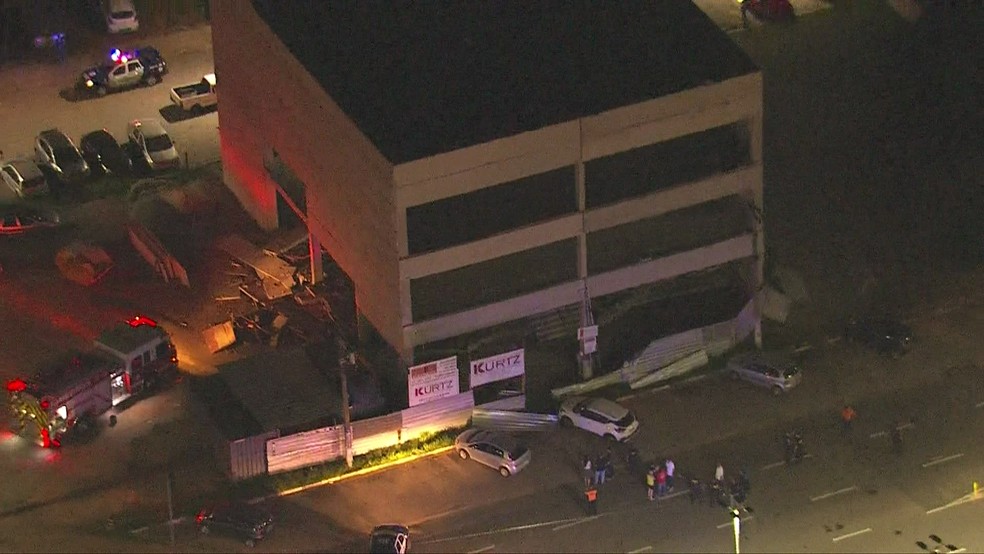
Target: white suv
(599,416)
(121,16)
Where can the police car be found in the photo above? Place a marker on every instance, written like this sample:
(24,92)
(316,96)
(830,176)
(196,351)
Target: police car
(143,66)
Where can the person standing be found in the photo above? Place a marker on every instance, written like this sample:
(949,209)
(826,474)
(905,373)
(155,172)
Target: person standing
(896,434)
(661,482)
(586,471)
(599,470)
(847,418)
(651,483)
(670,470)
(696,490)
(591,496)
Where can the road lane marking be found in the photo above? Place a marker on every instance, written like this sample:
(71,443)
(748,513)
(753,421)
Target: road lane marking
(781,463)
(938,460)
(673,495)
(578,522)
(640,550)
(730,523)
(483,549)
(503,530)
(835,493)
(854,534)
(970,497)
(883,433)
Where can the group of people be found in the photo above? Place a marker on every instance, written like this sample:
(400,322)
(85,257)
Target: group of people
(598,470)
(719,491)
(659,479)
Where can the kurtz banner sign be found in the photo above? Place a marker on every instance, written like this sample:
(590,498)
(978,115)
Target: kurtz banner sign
(497,368)
(432,380)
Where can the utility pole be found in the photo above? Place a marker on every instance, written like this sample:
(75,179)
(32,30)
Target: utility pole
(170,507)
(345,361)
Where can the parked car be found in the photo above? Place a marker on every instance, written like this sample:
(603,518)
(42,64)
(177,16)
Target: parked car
(244,521)
(121,16)
(196,97)
(24,178)
(152,144)
(884,335)
(389,539)
(599,416)
(498,451)
(57,152)
(104,154)
(765,369)
(22,219)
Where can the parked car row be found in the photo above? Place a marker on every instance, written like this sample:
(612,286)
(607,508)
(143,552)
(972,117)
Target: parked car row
(59,161)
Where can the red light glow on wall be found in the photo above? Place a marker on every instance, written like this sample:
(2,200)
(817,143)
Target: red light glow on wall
(251,176)
(138,320)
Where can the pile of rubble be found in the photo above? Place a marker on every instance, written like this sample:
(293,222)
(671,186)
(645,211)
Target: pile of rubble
(287,307)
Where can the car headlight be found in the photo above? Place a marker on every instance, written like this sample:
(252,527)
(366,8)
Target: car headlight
(89,83)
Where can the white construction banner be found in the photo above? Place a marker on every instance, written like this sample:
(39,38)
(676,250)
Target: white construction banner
(432,380)
(498,367)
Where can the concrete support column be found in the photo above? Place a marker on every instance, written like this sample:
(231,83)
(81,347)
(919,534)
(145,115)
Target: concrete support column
(317,263)
(758,205)
(587,367)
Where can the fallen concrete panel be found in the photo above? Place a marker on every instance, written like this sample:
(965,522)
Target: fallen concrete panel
(219,336)
(277,275)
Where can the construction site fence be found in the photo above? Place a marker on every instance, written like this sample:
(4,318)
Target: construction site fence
(322,445)
(247,456)
(713,340)
(507,420)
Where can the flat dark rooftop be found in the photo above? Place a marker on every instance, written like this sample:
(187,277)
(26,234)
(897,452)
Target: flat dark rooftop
(425,78)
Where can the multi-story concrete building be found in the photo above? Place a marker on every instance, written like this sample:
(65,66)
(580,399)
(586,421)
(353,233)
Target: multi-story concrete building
(473,166)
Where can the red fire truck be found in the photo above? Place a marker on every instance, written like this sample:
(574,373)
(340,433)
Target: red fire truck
(129,358)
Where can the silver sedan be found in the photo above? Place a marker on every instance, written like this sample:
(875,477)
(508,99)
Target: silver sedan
(498,451)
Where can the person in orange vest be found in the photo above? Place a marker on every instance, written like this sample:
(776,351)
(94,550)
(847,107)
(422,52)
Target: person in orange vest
(847,417)
(591,495)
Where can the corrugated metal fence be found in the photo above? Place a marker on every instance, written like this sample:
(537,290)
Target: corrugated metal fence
(248,457)
(322,445)
(507,420)
(305,449)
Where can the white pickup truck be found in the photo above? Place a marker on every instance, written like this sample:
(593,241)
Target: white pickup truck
(196,98)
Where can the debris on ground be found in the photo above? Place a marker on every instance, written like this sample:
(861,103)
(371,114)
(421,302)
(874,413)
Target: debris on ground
(83,263)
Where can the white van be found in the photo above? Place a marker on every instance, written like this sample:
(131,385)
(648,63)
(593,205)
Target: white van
(121,16)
